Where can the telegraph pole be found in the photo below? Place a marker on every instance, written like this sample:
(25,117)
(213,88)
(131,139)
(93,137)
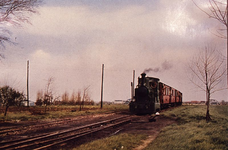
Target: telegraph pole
(133,85)
(102,83)
(28,83)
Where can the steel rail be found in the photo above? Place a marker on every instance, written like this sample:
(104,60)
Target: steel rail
(25,142)
(73,137)
(14,129)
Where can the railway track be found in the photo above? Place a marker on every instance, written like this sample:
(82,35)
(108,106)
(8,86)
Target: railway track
(35,126)
(47,141)
(17,129)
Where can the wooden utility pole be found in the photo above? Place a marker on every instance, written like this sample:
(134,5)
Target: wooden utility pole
(226,43)
(102,83)
(28,83)
(133,86)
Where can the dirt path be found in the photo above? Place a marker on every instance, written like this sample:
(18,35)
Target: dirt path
(147,141)
(141,125)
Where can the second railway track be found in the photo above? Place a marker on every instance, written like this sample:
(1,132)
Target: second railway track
(47,141)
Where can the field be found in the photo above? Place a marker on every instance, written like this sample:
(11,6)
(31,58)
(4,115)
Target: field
(189,132)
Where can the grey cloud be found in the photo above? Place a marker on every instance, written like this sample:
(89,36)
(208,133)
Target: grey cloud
(131,36)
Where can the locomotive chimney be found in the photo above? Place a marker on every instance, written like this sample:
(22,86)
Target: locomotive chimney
(143,78)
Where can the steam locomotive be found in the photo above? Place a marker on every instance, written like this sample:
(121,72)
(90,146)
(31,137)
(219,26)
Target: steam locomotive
(151,96)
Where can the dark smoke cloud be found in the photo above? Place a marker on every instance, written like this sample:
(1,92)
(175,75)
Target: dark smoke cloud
(151,70)
(165,66)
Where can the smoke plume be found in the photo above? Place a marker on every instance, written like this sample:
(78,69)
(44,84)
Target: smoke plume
(151,70)
(164,66)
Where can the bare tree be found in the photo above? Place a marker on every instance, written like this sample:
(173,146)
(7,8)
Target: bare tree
(85,91)
(15,12)
(48,95)
(207,72)
(65,98)
(39,98)
(46,98)
(218,10)
(78,98)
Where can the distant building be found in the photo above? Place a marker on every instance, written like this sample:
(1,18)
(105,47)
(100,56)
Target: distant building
(214,102)
(31,103)
(122,101)
(194,102)
(202,102)
(118,101)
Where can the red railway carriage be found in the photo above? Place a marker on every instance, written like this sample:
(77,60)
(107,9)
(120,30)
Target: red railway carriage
(178,98)
(151,95)
(169,96)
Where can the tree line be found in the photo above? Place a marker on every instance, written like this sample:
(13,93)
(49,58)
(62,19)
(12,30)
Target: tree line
(76,98)
(12,97)
(46,97)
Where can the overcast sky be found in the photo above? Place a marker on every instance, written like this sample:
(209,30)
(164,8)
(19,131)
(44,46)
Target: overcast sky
(70,40)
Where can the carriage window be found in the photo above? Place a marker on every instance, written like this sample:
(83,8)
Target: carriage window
(167,91)
(173,92)
(164,91)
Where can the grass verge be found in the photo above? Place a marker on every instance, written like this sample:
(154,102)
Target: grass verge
(118,142)
(191,130)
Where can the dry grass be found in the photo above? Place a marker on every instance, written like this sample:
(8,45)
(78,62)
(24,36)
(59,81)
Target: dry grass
(54,112)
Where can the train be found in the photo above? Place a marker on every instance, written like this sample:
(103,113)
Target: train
(151,96)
